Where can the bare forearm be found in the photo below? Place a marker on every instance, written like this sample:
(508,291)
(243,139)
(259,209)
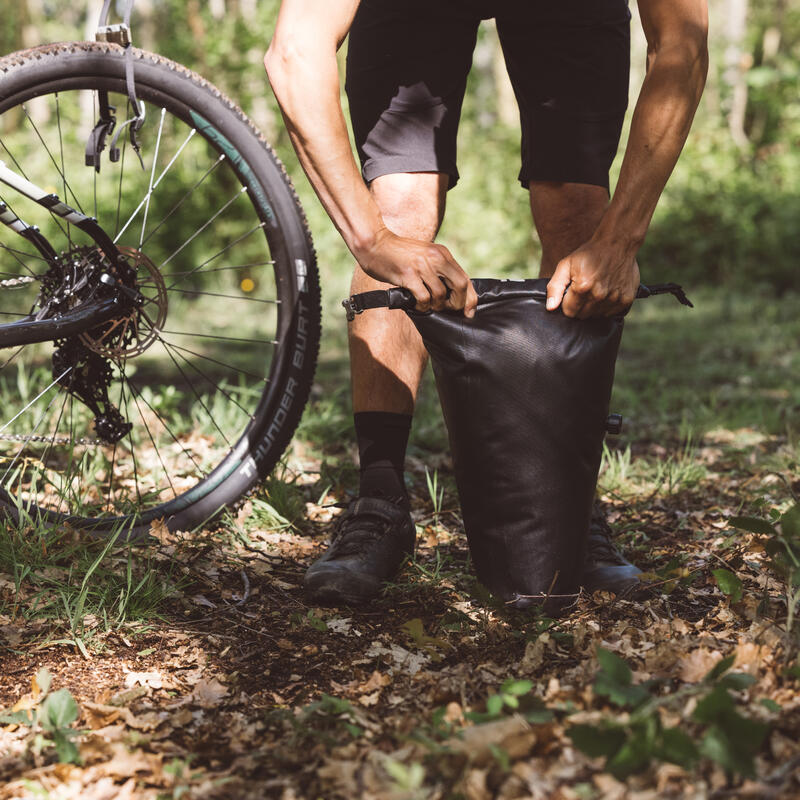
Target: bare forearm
(307,90)
(301,65)
(663,115)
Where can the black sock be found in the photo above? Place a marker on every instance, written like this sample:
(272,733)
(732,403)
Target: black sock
(382,438)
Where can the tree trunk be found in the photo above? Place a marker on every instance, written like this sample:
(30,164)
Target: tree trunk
(737,63)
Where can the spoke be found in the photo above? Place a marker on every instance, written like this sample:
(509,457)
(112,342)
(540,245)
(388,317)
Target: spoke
(33,432)
(121,173)
(67,188)
(259,378)
(152,176)
(221,338)
(12,357)
(205,225)
(195,392)
(44,391)
(21,263)
(153,186)
(210,380)
(13,250)
(152,440)
(111,477)
(185,197)
(227,296)
(64,489)
(215,256)
(21,252)
(52,441)
(138,396)
(223,269)
(123,402)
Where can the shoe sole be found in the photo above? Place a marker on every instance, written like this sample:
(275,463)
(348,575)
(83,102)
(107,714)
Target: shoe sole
(332,587)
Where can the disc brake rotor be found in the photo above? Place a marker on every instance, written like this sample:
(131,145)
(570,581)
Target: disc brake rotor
(131,335)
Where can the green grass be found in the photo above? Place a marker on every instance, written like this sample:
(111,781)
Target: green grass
(78,587)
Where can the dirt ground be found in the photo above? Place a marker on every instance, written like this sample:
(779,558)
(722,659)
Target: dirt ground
(243,690)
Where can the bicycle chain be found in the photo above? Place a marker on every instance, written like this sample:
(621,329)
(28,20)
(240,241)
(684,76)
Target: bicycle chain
(23,280)
(53,440)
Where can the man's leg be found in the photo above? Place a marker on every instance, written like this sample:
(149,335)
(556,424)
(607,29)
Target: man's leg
(565,215)
(386,352)
(387,357)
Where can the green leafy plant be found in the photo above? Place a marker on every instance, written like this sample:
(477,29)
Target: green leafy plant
(406,778)
(328,720)
(632,742)
(50,720)
(311,619)
(779,535)
(729,584)
(514,696)
(436,493)
(430,645)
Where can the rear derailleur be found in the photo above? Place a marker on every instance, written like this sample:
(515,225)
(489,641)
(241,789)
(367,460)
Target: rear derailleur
(86,375)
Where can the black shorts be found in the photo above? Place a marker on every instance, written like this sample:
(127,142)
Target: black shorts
(568,61)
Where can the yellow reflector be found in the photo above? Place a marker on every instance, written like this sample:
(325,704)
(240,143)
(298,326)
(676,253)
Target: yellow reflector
(247,285)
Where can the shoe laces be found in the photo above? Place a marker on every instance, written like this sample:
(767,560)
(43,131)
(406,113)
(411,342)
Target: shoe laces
(354,532)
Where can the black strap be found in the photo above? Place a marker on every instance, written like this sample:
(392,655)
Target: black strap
(401,298)
(665,288)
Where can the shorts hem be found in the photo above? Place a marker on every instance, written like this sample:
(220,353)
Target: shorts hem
(564,177)
(375,168)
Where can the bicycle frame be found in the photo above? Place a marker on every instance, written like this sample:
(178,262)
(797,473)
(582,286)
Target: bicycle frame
(85,316)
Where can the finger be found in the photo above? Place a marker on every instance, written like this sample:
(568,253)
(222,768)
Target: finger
(462,294)
(456,279)
(573,302)
(471,301)
(596,304)
(558,284)
(613,305)
(421,294)
(438,289)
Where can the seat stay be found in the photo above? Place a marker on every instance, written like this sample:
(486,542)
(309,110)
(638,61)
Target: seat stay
(55,205)
(29,232)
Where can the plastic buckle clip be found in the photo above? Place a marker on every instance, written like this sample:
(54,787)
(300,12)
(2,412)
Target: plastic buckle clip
(351,308)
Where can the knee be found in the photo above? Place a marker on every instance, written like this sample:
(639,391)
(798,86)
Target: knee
(411,204)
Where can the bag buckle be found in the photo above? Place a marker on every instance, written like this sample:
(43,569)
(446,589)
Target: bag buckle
(351,308)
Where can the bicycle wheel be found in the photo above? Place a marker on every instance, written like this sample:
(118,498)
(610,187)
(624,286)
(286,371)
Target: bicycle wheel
(212,377)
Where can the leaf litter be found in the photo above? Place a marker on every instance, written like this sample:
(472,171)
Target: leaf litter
(240,689)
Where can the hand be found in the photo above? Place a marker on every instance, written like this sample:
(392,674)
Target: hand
(428,270)
(597,280)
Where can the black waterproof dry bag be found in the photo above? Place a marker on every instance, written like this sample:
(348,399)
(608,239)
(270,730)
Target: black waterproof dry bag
(525,394)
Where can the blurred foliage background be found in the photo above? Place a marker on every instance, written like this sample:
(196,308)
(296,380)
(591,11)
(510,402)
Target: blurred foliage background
(728,216)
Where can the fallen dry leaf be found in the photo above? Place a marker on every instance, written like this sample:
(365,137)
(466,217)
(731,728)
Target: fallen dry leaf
(151,679)
(694,666)
(208,693)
